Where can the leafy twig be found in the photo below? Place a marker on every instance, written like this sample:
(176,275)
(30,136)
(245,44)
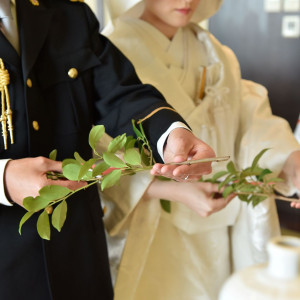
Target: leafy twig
(252,184)
(106,169)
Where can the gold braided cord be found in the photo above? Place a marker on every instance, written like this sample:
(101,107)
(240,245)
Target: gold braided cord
(6,112)
(154,112)
(3,118)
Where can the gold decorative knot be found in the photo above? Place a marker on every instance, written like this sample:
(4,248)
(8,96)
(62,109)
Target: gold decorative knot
(6,112)
(4,78)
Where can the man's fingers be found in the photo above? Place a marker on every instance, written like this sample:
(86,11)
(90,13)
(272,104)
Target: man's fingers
(46,165)
(194,171)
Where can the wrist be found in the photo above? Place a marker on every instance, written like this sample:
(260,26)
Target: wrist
(4,199)
(160,189)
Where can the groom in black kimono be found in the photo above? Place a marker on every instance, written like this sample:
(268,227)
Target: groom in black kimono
(64,78)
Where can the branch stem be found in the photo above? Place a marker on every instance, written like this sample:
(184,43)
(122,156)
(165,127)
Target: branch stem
(268,195)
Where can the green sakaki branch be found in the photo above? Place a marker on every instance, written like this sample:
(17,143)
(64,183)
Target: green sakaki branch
(252,185)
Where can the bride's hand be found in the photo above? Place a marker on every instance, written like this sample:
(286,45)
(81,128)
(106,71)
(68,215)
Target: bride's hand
(202,197)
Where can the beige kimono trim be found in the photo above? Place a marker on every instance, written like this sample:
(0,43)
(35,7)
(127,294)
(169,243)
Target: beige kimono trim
(154,112)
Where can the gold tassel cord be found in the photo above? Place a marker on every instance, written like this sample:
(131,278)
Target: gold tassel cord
(3,116)
(6,112)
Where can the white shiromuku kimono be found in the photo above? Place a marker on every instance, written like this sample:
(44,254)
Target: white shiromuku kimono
(161,256)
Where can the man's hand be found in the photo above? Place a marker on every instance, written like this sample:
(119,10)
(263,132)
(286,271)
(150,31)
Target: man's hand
(291,171)
(182,145)
(25,177)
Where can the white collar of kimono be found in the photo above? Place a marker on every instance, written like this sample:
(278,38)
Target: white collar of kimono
(205,10)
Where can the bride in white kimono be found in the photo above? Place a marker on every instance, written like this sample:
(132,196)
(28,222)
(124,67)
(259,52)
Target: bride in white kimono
(181,255)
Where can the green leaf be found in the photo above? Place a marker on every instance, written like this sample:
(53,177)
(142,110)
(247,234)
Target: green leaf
(68,161)
(263,174)
(24,219)
(218,175)
(244,198)
(54,192)
(145,158)
(247,188)
(95,135)
(257,171)
(79,158)
(111,179)
(117,143)
(231,168)
(136,131)
(245,173)
(59,215)
(274,179)
(257,158)
(257,199)
(71,171)
(142,131)
(132,157)
(130,142)
(86,167)
(100,168)
(227,180)
(166,205)
(43,226)
(35,204)
(113,160)
(53,154)
(227,191)
(248,172)
(240,182)
(28,202)
(88,176)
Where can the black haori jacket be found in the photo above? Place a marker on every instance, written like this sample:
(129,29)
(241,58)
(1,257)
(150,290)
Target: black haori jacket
(55,108)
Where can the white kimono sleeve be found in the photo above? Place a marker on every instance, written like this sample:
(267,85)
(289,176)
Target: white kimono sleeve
(259,129)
